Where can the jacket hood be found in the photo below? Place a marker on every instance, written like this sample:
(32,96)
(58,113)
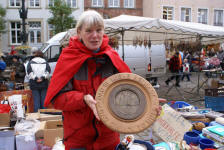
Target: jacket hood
(72,58)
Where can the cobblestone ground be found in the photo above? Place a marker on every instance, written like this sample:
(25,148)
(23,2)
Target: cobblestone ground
(188,92)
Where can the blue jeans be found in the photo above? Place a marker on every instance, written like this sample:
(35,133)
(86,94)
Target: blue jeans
(38,97)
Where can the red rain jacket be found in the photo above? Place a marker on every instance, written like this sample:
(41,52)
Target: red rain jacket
(81,129)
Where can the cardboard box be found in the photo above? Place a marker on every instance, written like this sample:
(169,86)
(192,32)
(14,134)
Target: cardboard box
(48,110)
(40,132)
(25,142)
(4,119)
(43,117)
(46,117)
(7,140)
(52,131)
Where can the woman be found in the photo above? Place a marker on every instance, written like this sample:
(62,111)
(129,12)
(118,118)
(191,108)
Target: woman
(38,71)
(81,68)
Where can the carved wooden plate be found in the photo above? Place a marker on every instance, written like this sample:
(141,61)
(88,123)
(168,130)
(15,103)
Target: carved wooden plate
(127,103)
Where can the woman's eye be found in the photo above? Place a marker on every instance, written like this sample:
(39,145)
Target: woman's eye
(99,30)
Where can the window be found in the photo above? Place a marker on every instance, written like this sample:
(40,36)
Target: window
(34,32)
(168,13)
(97,3)
(218,18)
(14,3)
(34,3)
(50,2)
(72,3)
(15,30)
(52,54)
(186,14)
(128,3)
(203,16)
(114,3)
(50,31)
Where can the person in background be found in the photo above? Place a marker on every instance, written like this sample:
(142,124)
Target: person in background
(18,69)
(26,78)
(2,67)
(38,71)
(2,63)
(220,54)
(181,56)
(81,68)
(211,53)
(186,70)
(174,67)
(188,56)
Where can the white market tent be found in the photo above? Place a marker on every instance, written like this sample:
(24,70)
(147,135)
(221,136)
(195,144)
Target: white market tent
(159,30)
(128,27)
(170,28)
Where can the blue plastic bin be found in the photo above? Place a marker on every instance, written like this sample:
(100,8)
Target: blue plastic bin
(178,104)
(215,103)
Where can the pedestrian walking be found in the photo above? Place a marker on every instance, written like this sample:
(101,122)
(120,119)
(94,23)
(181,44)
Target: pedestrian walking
(186,70)
(174,67)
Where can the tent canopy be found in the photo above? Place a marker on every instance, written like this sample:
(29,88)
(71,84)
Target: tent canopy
(160,29)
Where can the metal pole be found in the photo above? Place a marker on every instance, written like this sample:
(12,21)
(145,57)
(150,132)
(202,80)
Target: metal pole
(199,65)
(23,15)
(122,37)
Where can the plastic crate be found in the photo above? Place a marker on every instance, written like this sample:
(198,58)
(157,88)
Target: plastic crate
(215,103)
(214,92)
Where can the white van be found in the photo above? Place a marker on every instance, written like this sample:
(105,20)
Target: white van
(142,61)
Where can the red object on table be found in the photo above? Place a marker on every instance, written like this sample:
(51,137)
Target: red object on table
(26,94)
(4,108)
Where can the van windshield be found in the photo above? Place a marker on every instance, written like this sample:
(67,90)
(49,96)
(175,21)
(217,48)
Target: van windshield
(43,46)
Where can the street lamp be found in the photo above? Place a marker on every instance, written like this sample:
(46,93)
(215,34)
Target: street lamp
(23,15)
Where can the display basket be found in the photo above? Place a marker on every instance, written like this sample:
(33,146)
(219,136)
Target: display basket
(215,103)
(214,92)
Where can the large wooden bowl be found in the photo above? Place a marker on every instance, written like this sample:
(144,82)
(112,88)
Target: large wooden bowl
(127,103)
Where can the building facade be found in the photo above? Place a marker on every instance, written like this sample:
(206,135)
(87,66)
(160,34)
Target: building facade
(38,29)
(113,8)
(201,11)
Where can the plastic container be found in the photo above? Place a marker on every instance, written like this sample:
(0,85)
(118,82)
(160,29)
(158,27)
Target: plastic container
(191,138)
(197,131)
(206,143)
(215,103)
(178,104)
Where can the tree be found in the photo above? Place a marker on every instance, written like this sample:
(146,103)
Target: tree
(2,21)
(61,19)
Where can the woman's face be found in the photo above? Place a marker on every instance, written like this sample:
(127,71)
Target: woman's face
(91,36)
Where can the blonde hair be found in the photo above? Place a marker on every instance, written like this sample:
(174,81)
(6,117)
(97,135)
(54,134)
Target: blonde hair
(91,18)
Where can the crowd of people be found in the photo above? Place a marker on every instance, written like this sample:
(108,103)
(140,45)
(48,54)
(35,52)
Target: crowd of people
(33,70)
(181,63)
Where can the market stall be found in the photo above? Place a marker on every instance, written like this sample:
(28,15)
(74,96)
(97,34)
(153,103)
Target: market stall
(172,127)
(156,31)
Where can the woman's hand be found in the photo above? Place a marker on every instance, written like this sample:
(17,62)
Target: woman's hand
(91,102)
(159,109)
